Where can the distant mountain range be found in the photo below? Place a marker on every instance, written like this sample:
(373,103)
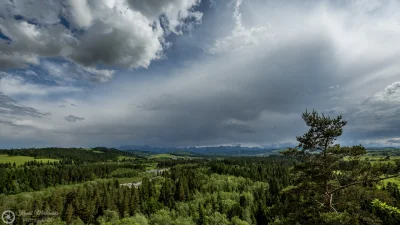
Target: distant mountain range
(236,150)
(215,150)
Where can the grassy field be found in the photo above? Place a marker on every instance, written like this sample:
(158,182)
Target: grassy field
(395,180)
(380,158)
(377,158)
(121,157)
(93,151)
(165,156)
(20,160)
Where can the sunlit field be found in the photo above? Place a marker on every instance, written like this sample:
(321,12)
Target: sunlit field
(20,160)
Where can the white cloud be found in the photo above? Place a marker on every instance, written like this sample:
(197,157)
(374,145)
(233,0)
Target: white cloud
(80,13)
(240,36)
(124,39)
(110,32)
(389,97)
(71,73)
(175,10)
(15,86)
(102,75)
(393,89)
(379,115)
(31,73)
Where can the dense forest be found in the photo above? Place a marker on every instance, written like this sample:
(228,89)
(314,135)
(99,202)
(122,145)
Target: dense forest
(317,182)
(207,194)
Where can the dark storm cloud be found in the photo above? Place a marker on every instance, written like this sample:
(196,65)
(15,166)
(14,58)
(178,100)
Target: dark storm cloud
(378,116)
(254,100)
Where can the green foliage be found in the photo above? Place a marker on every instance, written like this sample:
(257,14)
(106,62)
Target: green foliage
(389,214)
(336,218)
(217,219)
(108,217)
(382,206)
(237,221)
(124,172)
(37,177)
(320,169)
(325,171)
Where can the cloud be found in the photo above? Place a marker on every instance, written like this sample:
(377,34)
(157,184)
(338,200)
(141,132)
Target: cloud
(73,119)
(11,107)
(394,141)
(90,33)
(393,89)
(240,36)
(336,110)
(383,100)
(176,11)
(69,73)
(31,73)
(15,86)
(212,3)
(80,13)
(378,116)
(43,12)
(186,109)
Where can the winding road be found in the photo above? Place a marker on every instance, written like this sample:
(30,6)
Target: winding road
(137,184)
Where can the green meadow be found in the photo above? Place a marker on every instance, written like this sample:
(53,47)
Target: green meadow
(122,157)
(374,158)
(163,156)
(20,160)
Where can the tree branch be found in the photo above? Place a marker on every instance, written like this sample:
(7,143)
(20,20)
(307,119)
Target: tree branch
(360,182)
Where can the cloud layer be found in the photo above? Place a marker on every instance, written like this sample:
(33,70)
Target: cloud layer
(269,62)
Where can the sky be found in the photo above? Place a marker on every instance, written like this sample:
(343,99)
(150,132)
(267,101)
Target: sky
(85,73)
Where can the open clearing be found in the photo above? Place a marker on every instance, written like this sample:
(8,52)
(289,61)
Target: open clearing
(121,157)
(165,156)
(377,158)
(20,160)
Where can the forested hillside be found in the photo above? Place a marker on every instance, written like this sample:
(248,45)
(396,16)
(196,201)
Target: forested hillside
(232,191)
(317,182)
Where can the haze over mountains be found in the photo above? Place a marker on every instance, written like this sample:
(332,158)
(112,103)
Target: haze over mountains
(235,150)
(216,150)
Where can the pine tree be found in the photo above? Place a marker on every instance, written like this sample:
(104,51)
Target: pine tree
(320,172)
(202,216)
(68,214)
